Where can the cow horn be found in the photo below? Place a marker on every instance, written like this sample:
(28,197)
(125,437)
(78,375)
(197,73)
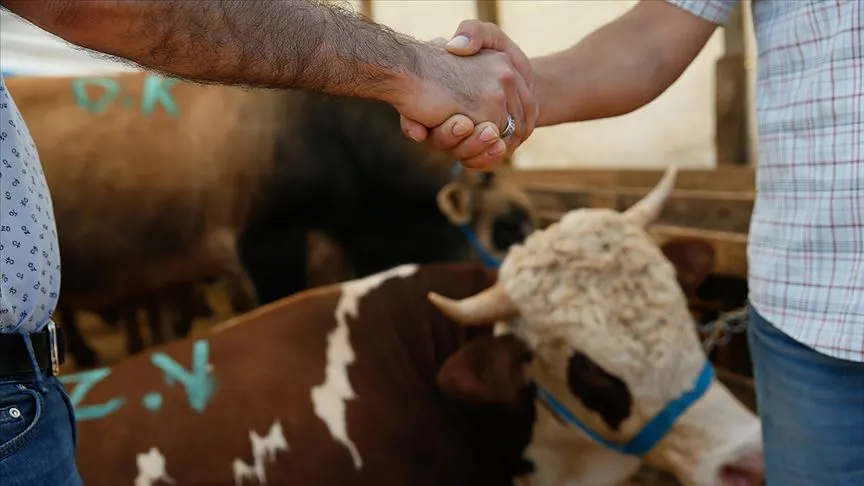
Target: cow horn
(487,307)
(648,209)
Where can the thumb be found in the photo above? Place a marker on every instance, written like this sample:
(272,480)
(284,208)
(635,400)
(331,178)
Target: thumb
(468,40)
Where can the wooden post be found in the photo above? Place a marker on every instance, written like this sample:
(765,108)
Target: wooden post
(487,10)
(366,8)
(732,124)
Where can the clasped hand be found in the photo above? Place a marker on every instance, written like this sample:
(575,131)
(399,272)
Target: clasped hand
(463,102)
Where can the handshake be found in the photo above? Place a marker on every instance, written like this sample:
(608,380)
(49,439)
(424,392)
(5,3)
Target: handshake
(473,98)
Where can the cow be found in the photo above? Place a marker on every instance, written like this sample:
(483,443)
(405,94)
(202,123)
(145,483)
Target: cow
(157,182)
(383,381)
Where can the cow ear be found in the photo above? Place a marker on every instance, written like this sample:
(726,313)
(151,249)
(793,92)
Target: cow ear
(489,369)
(599,390)
(454,200)
(694,260)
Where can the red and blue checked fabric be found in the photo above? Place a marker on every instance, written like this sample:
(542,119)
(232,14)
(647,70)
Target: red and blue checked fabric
(806,243)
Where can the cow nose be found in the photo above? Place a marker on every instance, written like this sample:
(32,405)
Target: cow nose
(510,228)
(748,470)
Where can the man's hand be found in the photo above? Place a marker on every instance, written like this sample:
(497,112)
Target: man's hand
(485,87)
(452,136)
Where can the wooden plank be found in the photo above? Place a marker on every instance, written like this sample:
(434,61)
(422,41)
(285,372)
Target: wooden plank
(732,123)
(730,248)
(718,211)
(722,178)
(366,8)
(729,214)
(731,101)
(487,10)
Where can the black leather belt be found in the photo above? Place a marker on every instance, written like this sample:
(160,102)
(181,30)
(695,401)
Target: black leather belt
(47,345)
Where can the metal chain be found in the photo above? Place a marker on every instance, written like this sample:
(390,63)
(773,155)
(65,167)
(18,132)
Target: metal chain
(721,329)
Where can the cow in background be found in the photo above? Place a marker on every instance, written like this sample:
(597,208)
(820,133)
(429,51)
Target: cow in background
(490,211)
(157,183)
(365,383)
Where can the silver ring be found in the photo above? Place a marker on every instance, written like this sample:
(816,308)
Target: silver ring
(510,128)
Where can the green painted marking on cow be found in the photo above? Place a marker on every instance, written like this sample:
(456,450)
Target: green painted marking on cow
(199,383)
(152,401)
(158,89)
(79,88)
(86,380)
(155,92)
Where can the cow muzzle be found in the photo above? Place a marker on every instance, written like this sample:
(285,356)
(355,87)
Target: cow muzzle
(718,442)
(742,464)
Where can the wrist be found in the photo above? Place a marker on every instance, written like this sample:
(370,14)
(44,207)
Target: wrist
(551,98)
(414,81)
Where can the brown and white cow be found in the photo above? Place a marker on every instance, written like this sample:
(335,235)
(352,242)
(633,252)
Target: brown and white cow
(365,383)
(598,305)
(157,182)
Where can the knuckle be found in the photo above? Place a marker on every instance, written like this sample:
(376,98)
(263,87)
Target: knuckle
(470,25)
(507,79)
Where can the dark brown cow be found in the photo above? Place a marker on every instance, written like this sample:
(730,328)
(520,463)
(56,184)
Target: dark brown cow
(156,184)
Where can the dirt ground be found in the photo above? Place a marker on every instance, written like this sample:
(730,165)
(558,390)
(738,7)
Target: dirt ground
(110,345)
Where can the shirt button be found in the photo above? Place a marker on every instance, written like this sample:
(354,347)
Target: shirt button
(14,412)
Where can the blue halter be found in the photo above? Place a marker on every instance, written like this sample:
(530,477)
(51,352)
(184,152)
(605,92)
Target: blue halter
(653,431)
(488,260)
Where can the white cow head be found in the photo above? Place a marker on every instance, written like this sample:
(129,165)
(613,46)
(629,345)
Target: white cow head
(611,340)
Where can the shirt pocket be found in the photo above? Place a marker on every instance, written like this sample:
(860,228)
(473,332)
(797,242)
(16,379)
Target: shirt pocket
(20,413)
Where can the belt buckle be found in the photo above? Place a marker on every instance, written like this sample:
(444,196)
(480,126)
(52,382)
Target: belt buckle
(55,353)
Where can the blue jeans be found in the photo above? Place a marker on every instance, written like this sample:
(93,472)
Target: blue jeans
(812,410)
(38,434)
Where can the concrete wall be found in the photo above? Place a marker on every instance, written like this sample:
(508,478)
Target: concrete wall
(677,128)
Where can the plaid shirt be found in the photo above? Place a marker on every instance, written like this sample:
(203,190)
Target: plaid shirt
(806,242)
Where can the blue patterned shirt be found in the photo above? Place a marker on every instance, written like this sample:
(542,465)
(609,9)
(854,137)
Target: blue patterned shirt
(806,242)
(29,253)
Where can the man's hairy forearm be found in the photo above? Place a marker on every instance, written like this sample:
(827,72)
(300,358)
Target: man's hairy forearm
(303,44)
(620,67)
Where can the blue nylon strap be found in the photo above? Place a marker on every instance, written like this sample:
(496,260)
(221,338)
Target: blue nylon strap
(654,431)
(456,170)
(488,260)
